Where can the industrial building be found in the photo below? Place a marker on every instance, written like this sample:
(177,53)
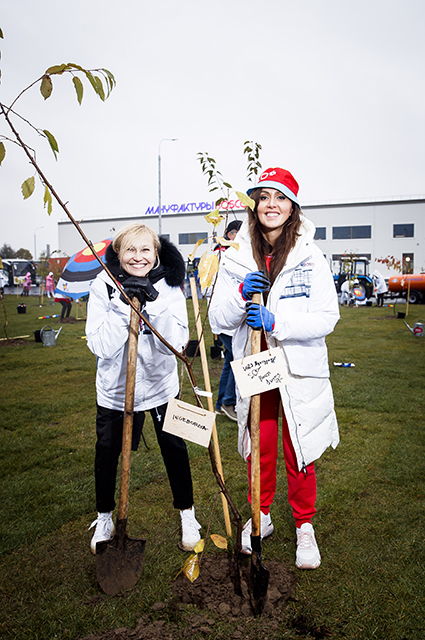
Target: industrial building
(373,229)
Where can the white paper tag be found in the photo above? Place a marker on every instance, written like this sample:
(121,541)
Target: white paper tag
(260,372)
(189,422)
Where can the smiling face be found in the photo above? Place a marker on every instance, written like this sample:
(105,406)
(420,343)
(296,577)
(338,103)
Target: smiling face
(139,258)
(273,210)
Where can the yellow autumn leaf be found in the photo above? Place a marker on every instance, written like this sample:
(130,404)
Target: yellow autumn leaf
(219,541)
(228,243)
(195,248)
(246,200)
(214,217)
(207,268)
(200,546)
(191,567)
(28,187)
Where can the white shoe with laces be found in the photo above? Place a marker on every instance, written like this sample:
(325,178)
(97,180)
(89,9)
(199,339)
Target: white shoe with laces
(190,530)
(105,529)
(267,529)
(308,554)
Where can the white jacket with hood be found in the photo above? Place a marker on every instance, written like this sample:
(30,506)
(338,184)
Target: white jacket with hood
(107,330)
(304,302)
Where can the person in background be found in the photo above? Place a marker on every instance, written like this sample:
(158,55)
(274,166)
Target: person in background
(50,285)
(66,305)
(153,270)
(380,287)
(345,293)
(278,258)
(226,400)
(3,282)
(27,284)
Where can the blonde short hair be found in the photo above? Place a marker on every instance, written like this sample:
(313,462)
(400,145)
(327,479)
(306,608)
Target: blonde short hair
(130,235)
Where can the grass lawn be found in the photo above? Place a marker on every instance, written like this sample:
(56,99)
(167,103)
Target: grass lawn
(371,495)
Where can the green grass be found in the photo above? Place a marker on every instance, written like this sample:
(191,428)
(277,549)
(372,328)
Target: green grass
(371,495)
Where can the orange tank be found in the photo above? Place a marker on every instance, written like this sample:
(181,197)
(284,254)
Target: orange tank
(401,283)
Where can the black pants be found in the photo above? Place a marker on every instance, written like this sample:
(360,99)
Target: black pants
(66,307)
(380,300)
(109,426)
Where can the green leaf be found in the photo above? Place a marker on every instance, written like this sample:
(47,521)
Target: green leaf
(46,87)
(28,187)
(226,184)
(78,88)
(1,33)
(99,88)
(90,79)
(48,199)
(2,152)
(56,69)
(71,65)
(111,78)
(52,141)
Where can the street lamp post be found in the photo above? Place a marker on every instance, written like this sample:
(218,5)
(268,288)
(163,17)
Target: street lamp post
(159,183)
(35,250)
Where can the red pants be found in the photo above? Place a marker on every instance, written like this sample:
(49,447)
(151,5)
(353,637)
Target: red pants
(301,485)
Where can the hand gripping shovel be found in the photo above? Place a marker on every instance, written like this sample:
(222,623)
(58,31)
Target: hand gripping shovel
(119,561)
(259,579)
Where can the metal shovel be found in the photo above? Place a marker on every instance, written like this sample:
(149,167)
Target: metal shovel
(119,561)
(259,578)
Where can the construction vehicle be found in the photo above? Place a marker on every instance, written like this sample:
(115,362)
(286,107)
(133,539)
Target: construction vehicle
(355,269)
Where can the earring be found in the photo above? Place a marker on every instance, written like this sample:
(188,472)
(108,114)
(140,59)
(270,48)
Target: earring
(157,264)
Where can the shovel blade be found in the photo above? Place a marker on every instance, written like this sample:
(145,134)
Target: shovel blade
(259,579)
(119,562)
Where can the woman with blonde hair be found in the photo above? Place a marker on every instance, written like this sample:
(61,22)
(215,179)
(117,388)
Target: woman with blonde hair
(153,270)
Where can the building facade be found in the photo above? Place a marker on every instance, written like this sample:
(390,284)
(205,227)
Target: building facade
(371,229)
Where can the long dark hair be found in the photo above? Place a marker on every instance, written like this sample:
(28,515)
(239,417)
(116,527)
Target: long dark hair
(283,245)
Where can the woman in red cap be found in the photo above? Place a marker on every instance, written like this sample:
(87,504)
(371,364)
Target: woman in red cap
(278,258)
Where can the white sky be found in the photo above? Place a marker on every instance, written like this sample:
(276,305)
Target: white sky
(332,90)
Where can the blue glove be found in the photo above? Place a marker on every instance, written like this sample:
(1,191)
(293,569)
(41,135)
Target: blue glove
(255,282)
(257,316)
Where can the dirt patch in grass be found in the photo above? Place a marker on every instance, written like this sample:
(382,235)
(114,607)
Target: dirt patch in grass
(214,602)
(13,342)
(214,588)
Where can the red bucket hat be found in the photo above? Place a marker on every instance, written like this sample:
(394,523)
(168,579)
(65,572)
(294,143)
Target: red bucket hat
(280,179)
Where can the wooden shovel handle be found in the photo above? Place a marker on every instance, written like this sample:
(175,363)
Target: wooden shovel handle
(128,411)
(255,439)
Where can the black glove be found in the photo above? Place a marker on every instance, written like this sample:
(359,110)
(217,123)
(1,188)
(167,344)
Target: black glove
(142,288)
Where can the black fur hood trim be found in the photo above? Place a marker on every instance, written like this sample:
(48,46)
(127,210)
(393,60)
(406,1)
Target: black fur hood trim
(171,268)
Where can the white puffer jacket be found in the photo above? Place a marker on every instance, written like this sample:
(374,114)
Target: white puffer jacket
(304,301)
(107,330)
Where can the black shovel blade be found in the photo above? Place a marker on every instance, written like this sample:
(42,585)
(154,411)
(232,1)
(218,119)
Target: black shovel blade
(259,579)
(119,561)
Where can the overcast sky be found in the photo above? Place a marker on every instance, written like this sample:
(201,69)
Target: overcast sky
(332,90)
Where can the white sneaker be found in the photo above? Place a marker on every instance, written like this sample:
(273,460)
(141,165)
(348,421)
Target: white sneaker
(308,554)
(190,530)
(105,529)
(267,529)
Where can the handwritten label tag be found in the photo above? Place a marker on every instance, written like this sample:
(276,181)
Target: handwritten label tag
(189,422)
(260,372)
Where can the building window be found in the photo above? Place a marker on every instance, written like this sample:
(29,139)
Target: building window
(407,262)
(352,233)
(191,238)
(403,230)
(165,235)
(320,233)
